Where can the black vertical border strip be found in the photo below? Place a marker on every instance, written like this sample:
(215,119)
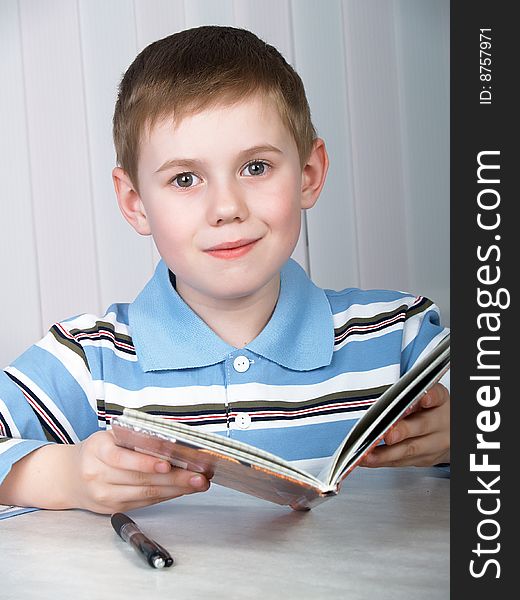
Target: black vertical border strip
(477,127)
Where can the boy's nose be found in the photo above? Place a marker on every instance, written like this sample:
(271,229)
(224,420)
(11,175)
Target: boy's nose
(227,206)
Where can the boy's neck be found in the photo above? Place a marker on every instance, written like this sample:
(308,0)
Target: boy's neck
(237,321)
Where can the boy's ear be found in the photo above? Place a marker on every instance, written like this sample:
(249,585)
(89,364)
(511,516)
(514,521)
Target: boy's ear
(314,174)
(129,201)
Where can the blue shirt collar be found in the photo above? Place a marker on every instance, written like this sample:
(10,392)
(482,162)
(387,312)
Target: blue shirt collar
(167,334)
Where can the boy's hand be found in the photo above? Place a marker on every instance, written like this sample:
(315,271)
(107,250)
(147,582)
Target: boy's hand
(107,478)
(421,439)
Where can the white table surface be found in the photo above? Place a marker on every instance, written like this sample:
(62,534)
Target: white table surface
(385,536)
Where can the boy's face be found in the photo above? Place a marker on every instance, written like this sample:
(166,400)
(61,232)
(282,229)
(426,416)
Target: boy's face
(221,193)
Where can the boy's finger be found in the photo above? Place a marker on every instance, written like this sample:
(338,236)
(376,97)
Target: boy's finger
(130,460)
(186,483)
(436,396)
(184,480)
(417,424)
(125,497)
(415,452)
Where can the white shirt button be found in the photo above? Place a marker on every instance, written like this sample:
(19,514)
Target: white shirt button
(241,364)
(243,420)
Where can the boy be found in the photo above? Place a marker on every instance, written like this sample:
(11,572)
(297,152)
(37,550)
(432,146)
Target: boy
(217,157)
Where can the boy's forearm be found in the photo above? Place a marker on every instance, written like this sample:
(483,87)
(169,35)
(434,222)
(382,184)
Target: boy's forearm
(41,479)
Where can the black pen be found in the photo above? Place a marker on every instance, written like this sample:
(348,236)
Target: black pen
(156,556)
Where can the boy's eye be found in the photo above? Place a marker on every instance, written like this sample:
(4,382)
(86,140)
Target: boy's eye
(185,180)
(255,167)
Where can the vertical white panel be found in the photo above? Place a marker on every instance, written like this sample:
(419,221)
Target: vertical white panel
(20,316)
(422,34)
(109,45)
(60,166)
(319,59)
(270,20)
(373,100)
(157,19)
(208,12)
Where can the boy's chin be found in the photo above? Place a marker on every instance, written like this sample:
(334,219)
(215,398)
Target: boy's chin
(230,291)
(230,288)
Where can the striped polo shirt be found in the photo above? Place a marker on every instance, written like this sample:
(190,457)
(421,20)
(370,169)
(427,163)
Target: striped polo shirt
(322,359)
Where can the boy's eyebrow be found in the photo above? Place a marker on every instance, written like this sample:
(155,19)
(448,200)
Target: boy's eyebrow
(195,163)
(259,149)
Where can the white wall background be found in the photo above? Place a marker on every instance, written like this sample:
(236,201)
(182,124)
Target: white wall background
(377,78)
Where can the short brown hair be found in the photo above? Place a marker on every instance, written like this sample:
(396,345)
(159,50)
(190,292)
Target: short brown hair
(196,68)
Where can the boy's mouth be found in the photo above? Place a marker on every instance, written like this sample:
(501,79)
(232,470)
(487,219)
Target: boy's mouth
(232,249)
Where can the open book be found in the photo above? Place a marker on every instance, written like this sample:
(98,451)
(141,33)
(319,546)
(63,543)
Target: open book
(248,469)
